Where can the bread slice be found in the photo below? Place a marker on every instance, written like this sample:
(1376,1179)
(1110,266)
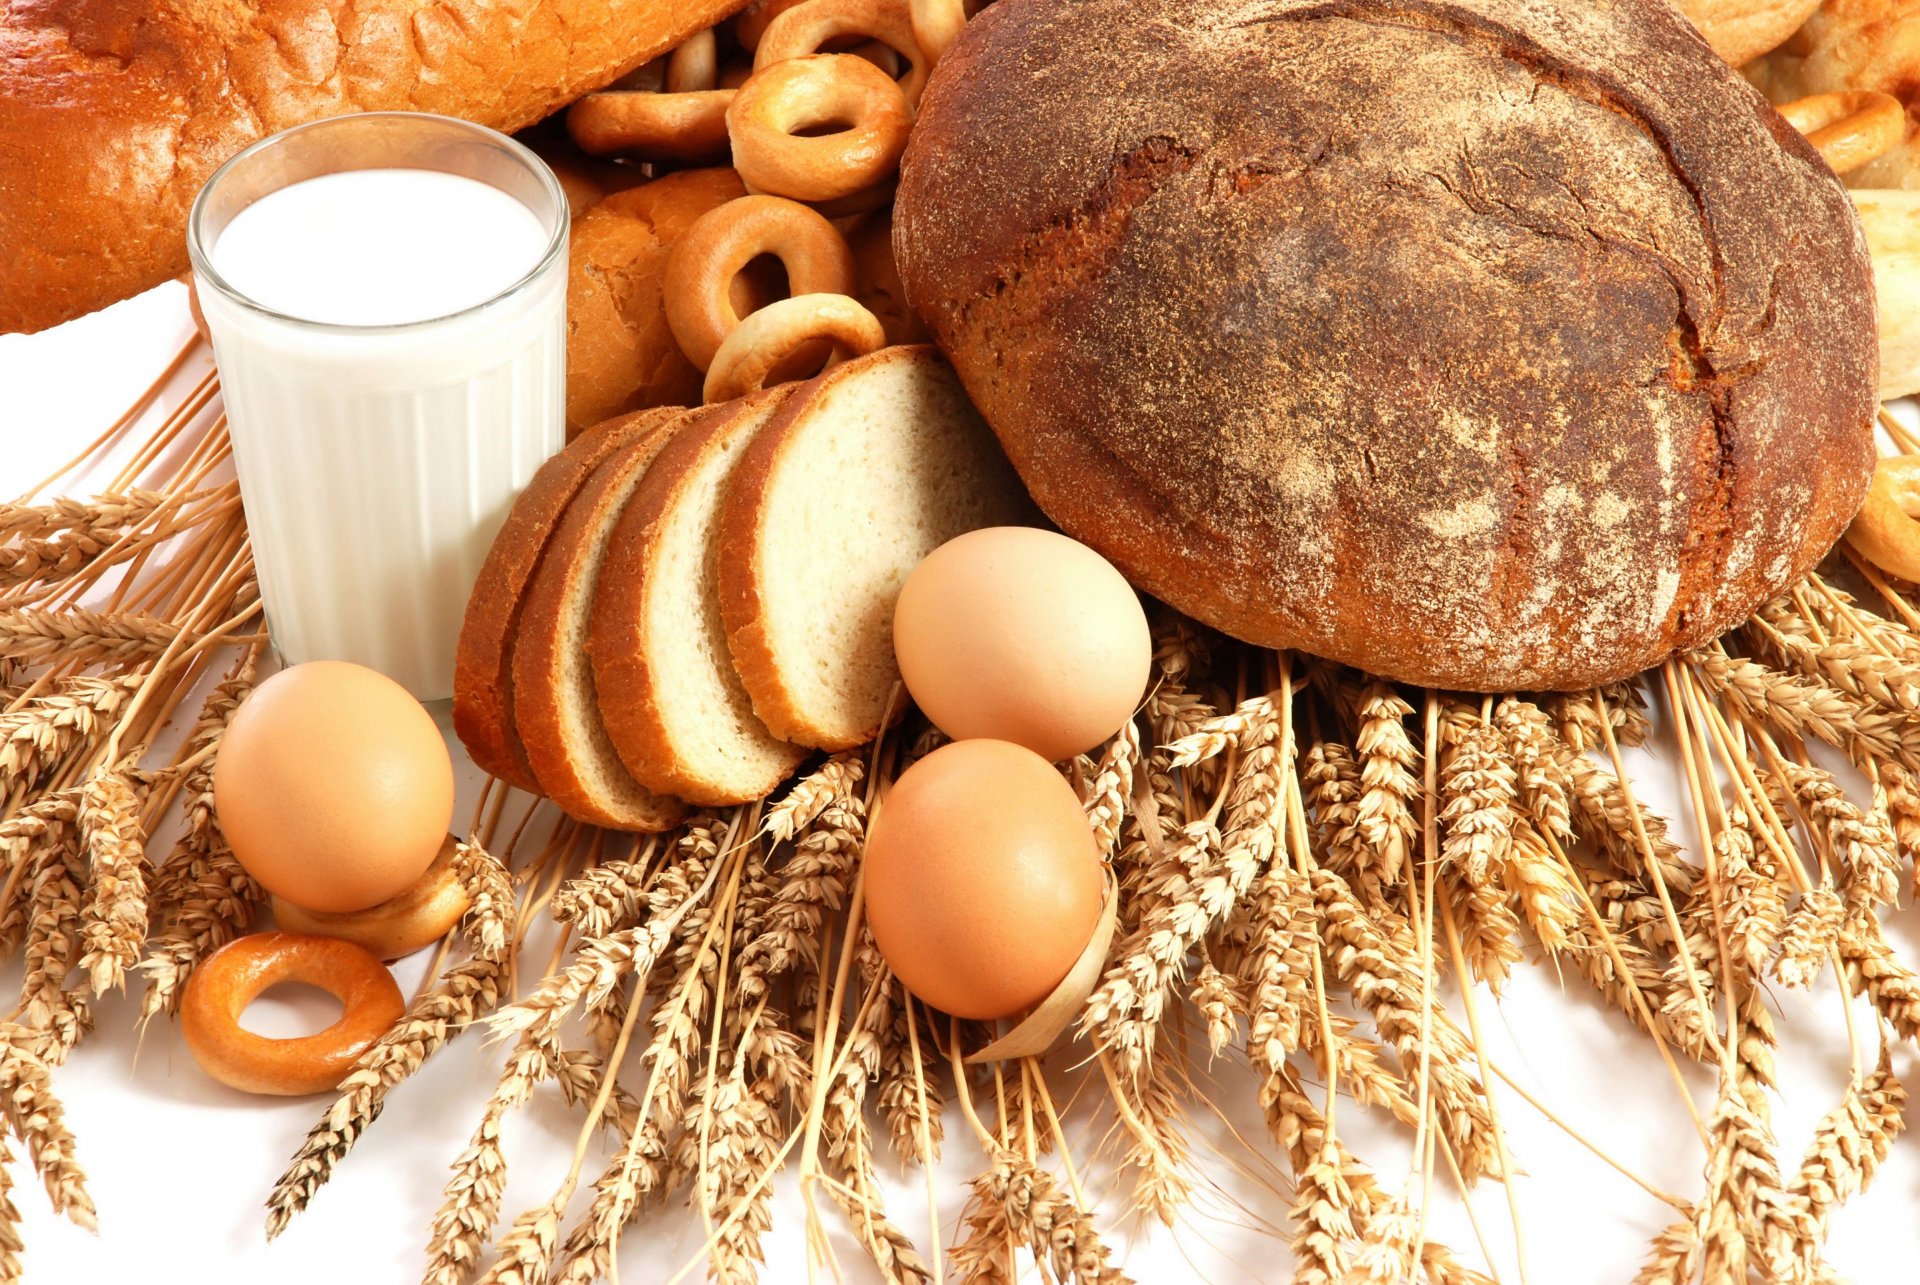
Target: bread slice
(556,707)
(866,470)
(483,660)
(671,700)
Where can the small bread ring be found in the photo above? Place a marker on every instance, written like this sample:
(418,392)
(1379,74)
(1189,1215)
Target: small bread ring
(694,64)
(819,89)
(756,18)
(649,77)
(655,127)
(936,25)
(420,916)
(811,27)
(1886,531)
(1849,128)
(852,206)
(233,977)
(708,257)
(772,336)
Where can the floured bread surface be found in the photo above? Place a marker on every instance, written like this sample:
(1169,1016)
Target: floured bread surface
(865,471)
(673,705)
(556,706)
(1479,344)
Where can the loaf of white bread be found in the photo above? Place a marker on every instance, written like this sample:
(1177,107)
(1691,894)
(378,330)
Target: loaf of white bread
(684,604)
(114,112)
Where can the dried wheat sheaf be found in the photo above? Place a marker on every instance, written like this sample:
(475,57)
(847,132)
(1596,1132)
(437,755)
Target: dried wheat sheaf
(1309,861)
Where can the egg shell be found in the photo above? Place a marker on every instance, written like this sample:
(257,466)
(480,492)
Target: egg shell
(333,786)
(1022,635)
(982,879)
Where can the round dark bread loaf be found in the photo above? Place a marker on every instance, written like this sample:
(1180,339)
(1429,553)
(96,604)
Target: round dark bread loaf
(1486,344)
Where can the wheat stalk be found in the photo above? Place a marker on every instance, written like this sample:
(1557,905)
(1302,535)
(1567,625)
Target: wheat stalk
(113,923)
(1111,787)
(1389,989)
(455,1000)
(1849,1145)
(76,636)
(1873,969)
(42,734)
(1862,844)
(488,922)
(801,805)
(1323,1219)
(1279,971)
(1017,1199)
(1801,706)
(10,1243)
(1675,1255)
(35,1116)
(471,1204)
(1810,931)
(1384,822)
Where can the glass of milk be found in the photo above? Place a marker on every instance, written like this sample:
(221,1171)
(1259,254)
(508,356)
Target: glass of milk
(386,295)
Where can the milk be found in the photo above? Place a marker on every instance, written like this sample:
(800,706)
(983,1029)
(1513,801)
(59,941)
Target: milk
(393,376)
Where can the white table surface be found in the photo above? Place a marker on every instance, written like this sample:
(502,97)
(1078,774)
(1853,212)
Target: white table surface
(180,1166)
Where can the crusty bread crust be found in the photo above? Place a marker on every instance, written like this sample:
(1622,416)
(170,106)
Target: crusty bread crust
(114,112)
(621,354)
(629,685)
(1481,344)
(561,585)
(483,660)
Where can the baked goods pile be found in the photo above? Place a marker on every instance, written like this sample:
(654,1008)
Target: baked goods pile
(664,273)
(1486,363)
(1193,315)
(685,603)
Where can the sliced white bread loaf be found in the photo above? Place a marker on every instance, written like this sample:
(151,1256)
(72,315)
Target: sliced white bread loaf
(556,708)
(483,661)
(672,702)
(863,472)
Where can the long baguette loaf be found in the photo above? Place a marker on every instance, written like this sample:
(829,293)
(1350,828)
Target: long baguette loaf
(114,112)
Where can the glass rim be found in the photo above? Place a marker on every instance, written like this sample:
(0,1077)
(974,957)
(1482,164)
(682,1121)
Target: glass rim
(204,270)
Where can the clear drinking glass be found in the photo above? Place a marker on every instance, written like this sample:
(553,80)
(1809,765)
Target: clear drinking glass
(377,462)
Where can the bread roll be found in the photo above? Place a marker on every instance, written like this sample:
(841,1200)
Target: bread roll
(1487,344)
(1854,44)
(1891,221)
(114,112)
(1741,30)
(620,352)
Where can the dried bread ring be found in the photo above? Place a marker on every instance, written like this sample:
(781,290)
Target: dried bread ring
(417,917)
(811,27)
(852,206)
(704,263)
(235,975)
(694,65)
(775,336)
(688,127)
(1886,531)
(936,25)
(1849,128)
(780,100)
(752,22)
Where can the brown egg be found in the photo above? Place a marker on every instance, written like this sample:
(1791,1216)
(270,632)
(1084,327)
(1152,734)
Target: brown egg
(982,880)
(1022,635)
(333,786)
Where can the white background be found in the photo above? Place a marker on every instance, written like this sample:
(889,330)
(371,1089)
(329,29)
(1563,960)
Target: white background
(180,1166)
